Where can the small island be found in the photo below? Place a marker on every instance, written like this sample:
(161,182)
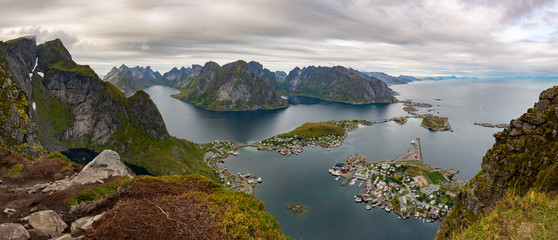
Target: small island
(406,185)
(490,125)
(297,208)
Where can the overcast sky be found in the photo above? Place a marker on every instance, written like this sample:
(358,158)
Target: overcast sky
(416,37)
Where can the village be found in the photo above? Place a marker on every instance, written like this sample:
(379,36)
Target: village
(326,134)
(406,185)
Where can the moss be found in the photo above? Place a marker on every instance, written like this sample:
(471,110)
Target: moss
(15,171)
(100,192)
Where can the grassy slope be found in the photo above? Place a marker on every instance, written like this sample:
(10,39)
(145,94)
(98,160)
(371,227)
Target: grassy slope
(239,215)
(533,216)
(314,130)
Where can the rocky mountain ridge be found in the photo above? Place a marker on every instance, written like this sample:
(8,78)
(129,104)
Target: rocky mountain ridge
(68,106)
(232,87)
(337,84)
(130,80)
(329,83)
(523,158)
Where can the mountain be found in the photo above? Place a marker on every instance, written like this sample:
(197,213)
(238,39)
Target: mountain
(67,105)
(338,84)
(263,73)
(232,87)
(280,76)
(175,75)
(522,161)
(391,80)
(129,80)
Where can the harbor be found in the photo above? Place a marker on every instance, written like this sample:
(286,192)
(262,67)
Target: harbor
(405,185)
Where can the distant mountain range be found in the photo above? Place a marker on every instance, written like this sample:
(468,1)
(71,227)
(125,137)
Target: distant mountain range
(391,80)
(241,86)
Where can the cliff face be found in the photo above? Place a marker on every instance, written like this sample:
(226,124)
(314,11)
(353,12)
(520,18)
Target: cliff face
(337,84)
(523,157)
(18,132)
(232,87)
(68,106)
(98,107)
(129,80)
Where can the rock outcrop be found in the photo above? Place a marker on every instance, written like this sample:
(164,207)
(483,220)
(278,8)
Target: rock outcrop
(337,84)
(13,231)
(49,221)
(522,158)
(104,166)
(84,223)
(230,88)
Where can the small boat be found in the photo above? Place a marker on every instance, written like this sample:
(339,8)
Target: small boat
(337,178)
(388,208)
(361,182)
(368,207)
(353,182)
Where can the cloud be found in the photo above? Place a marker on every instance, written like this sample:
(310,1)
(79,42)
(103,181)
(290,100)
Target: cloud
(421,37)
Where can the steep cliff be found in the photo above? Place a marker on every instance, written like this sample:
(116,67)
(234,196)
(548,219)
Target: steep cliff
(230,88)
(128,80)
(18,131)
(338,84)
(524,157)
(74,108)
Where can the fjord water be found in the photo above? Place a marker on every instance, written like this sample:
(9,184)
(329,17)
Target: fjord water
(304,178)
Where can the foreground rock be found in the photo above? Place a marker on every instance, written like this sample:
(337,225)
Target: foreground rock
(13,231)
(103,167)
(47,220)
(84,223)
(106,165)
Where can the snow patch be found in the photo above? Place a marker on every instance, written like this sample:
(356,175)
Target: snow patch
(36,63)
(41,74)
(34,106)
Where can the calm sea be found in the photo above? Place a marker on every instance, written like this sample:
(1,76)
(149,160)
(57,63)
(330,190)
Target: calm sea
(304,178)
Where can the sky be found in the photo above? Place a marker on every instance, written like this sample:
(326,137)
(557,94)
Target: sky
(469,38)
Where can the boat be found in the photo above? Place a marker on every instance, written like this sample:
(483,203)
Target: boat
(361,182)
(337,178)
(358,198)
(388,208)
(353,182)
(368,207)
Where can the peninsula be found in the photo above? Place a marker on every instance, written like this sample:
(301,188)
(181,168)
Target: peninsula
(406,185)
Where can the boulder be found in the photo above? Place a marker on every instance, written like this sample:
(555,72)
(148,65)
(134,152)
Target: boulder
(85,223)
(106,165)
(47,220)
(40,234)
(9,211)
(13,231)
